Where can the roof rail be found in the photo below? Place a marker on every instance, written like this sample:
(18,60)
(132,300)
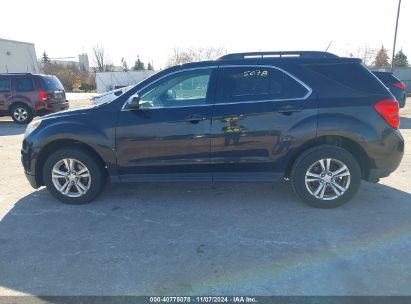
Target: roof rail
(305,54)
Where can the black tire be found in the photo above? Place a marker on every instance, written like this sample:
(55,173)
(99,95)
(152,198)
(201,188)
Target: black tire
(305,162)
(95,168)
(21,113)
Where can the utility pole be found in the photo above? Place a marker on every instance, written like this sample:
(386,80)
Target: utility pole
(395,35)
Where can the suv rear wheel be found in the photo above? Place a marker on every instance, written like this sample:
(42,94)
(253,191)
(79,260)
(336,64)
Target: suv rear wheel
(326,176)
(21,113)
(73,176)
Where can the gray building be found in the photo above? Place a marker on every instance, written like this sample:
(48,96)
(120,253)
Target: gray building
(17,57)
(83,61)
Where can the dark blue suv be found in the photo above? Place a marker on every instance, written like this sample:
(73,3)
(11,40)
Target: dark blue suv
(396,86)
(320,121)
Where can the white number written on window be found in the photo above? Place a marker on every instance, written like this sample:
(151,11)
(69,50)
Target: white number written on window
(258,73)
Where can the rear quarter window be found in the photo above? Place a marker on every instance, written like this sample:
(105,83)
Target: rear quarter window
(52,83)
(353,76)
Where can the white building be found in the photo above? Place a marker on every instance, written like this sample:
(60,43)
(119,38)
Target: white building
(17,57)
(107,81)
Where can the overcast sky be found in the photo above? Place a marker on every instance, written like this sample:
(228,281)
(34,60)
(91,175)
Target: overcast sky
(152,28)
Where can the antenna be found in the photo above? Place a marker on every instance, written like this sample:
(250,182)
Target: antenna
(328,45)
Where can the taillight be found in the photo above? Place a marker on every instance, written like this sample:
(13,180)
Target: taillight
(43,95)
(389,110)
(399,85)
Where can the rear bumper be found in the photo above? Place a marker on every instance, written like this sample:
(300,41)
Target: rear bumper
(52,107)
(389,157)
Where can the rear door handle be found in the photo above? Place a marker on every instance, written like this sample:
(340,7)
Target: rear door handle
(287,110)
(195,118)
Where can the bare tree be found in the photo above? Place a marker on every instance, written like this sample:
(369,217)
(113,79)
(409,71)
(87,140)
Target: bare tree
(366,53)
(181,56)
(100,58)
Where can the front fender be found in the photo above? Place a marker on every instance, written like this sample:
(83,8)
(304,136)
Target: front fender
(97,134)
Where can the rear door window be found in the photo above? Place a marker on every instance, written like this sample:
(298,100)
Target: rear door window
(5,85)
(243,84)
(24,84)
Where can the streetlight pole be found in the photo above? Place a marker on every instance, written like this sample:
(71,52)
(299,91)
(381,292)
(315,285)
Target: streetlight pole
(395,35)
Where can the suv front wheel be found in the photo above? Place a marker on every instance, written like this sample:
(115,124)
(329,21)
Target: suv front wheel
(326,176)
(73,176)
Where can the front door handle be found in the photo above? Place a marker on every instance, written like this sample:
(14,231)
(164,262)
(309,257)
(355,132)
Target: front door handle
(195,118)
(288,110)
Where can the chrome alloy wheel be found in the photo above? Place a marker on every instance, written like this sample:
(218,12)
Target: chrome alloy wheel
(20,114)
(71,177)
(327,179)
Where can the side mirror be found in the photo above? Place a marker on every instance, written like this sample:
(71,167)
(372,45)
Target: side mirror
(133,102)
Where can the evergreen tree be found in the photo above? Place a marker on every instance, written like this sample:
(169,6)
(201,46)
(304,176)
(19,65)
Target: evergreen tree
(45,58)
(124,65)
(138,65)
(400,60)
(382,58)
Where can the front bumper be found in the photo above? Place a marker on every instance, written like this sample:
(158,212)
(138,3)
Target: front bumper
(28,157)
(32,180)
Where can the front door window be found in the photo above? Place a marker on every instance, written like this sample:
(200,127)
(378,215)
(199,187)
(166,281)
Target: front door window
(181,90)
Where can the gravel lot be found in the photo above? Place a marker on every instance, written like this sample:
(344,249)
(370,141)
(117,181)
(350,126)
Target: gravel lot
(202,239)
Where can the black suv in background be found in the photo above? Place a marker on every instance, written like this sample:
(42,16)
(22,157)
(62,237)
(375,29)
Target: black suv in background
(396,86)
(23,96)
(320,121)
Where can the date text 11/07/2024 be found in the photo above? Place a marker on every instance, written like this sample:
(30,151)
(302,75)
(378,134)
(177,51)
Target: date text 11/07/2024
(203,299)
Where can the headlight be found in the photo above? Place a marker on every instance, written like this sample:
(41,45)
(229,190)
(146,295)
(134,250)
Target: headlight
(32,126)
